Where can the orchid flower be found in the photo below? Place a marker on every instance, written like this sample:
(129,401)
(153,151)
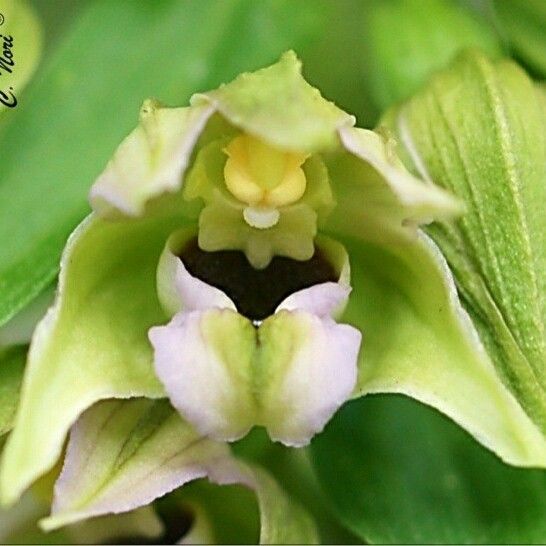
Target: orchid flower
(257,260)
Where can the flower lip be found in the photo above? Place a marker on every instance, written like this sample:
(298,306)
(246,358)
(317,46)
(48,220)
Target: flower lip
(256,292)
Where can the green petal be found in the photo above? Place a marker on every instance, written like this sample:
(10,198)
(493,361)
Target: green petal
(279,106)
(12,366)
(123,454)
(377,197)
(20,22)
(91,345)
(151,161)
(479,130)
(419,341)
(397,472)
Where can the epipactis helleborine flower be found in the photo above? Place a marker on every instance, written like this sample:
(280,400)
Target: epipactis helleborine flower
(220,234)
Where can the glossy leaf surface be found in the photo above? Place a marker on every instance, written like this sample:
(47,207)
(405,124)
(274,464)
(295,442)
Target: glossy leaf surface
(399,472)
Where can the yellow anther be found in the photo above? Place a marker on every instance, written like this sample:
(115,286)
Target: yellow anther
(289,190)
(263,176)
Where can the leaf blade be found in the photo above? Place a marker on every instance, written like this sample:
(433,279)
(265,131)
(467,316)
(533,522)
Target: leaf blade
(398,472)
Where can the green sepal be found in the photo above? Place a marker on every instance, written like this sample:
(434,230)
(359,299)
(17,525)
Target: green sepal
(279,106)
(92,344)
(419,341)
(118,445)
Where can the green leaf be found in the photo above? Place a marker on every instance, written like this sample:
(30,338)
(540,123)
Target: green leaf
(91,345)
(479,130)
(85,101)
(523,24)
(399,473)
(12,366)
(22,39)
(293,470)
(19,330)
(410,39)
(124,454)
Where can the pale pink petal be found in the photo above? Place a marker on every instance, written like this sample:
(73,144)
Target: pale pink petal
(178,289)
(318,378)
(203,359)
(323,299)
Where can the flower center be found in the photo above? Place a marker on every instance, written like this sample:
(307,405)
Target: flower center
(263,177)
(256,292)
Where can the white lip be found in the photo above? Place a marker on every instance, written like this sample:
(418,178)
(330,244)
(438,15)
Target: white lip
(216,380)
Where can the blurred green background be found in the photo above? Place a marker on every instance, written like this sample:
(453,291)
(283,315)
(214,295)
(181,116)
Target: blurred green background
(101,58)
